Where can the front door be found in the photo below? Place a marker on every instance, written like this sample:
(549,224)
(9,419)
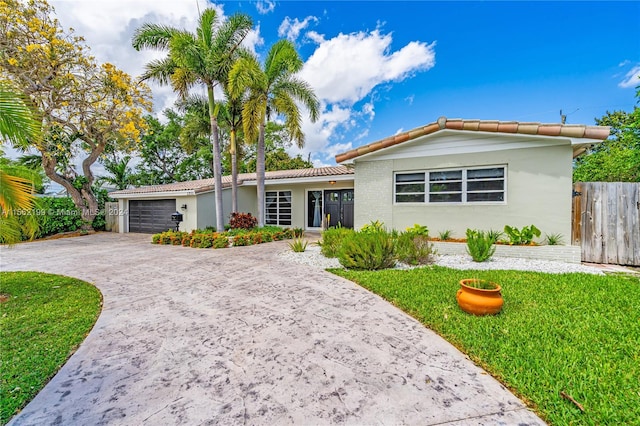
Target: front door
(338,206)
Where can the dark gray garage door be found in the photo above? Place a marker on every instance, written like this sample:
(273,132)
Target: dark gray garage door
(151,216)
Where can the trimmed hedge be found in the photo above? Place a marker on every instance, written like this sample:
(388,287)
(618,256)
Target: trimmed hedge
(211,239)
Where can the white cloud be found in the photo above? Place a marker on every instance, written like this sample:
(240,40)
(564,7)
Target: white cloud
(400,130)
(343,71)
(347,67)
(367,109)
(410,99)
(110,41)
(290,28)
(319,135)
(631,79)
(315,37)
(265,6)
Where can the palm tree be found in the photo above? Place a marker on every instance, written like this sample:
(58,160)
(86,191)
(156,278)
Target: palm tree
(231,114)
(120,176)
(272,90)
(230,118)
(18,124)
(201,58)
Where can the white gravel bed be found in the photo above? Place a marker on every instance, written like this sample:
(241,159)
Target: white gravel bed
(313,257)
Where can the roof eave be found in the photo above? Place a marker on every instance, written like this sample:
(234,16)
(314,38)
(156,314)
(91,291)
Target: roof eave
(162,194)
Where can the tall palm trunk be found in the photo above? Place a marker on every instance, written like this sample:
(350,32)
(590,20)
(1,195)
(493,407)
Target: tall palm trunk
(234,172)
(260,175)
(217,164)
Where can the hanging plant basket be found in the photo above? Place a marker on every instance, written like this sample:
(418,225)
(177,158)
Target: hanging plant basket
(479,297)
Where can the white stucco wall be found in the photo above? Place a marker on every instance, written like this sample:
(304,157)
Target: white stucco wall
(538,191)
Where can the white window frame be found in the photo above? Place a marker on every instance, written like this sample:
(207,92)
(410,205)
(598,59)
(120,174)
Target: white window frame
(278,220)
(463,191)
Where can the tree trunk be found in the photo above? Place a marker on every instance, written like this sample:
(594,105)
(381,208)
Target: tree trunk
(234,172)
(217,164)
(84,199)
(260,175)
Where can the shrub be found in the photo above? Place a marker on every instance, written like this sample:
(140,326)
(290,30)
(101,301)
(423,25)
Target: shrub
(298,232)
(522,236)
(414,249)
(242,221)
(480,245)
(367,251)
(445,235)
(373,226)
(332,239)
(242,240)
(288,233)
(495,234)
(554,239)
(155,239)
(257,237)
(60,215)
(186,240)
(298,245)
(418,230)
(220,241)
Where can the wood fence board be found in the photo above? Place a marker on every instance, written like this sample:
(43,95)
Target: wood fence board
(576,211)
(634,225)
(610,223)
(606,222)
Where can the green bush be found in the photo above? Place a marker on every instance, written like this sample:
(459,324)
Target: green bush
(373,226)
(480,245)
(58,215)
(522,236)
(418,230)
(414,249)
(332,239)
(554,239)
(368,251)
(298,245)
(220,241)
(242,240)
(445,235)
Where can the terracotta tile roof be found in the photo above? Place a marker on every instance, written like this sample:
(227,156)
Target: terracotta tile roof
(543,129)
(206,185)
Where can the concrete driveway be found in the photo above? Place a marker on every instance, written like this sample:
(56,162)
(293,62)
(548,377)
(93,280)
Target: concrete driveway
(237,336)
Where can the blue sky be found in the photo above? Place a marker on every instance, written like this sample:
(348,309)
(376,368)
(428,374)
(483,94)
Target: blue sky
(382,67)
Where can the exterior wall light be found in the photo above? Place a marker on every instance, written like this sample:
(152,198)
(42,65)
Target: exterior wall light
(332,182)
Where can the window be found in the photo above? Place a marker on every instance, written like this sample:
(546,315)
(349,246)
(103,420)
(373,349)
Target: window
(278,208)
(451,186)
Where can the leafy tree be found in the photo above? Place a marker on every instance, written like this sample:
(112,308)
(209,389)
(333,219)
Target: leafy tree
(164,157)
(273,90)
(616,159)
(192,59)
(17,125)
(85,109)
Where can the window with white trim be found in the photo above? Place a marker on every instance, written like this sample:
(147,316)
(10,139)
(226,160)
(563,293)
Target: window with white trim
(278,208)
(469,185)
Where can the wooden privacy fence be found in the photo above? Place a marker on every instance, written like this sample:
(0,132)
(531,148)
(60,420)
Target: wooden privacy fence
(606,222)
(111,217)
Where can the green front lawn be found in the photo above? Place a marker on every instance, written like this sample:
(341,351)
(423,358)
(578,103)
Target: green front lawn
(43,321)
(572,333)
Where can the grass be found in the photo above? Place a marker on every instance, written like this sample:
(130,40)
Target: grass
(44,320)
(572,333)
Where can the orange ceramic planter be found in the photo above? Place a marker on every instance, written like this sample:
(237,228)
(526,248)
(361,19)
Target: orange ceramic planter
(478,301)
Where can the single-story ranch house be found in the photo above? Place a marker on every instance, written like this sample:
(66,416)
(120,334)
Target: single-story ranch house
(451,174)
